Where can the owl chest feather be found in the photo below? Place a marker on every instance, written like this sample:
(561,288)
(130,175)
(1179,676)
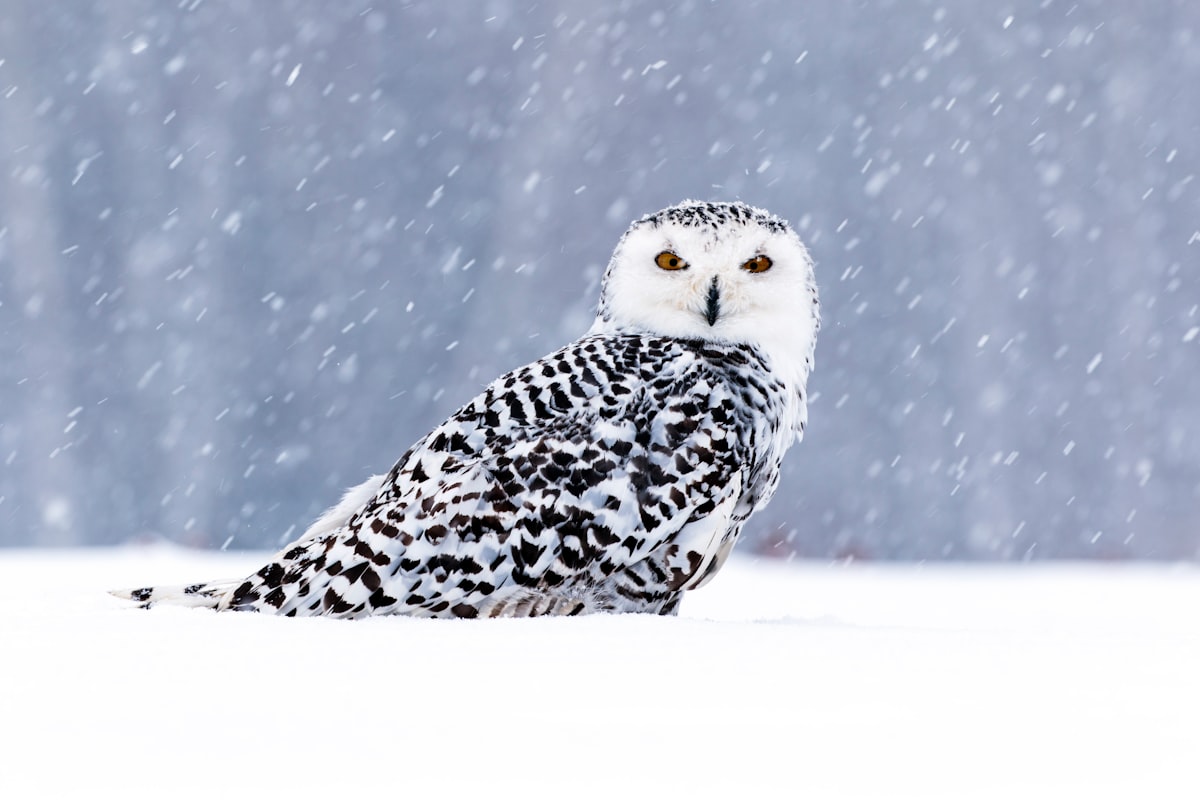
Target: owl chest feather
(650,396)
(685,423)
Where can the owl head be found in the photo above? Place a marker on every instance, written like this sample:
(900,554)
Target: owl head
(724,272)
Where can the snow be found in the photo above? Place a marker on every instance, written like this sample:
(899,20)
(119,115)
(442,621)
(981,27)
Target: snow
(803,680)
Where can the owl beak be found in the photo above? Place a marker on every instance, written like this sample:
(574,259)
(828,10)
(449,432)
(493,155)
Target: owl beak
(712,307)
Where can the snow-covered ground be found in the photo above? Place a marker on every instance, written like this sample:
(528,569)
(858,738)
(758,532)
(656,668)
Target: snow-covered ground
(806,681)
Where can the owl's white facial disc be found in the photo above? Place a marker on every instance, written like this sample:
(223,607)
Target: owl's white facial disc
(716,294)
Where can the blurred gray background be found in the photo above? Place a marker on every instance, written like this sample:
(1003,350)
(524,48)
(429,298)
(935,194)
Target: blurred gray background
(249,252)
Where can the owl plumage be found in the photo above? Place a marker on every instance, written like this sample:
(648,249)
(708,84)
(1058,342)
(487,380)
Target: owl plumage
(611,475)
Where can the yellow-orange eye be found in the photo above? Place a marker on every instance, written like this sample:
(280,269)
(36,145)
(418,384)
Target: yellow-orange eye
(668,260)
(757,264)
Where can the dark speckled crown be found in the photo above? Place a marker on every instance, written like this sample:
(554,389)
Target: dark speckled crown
(695,214)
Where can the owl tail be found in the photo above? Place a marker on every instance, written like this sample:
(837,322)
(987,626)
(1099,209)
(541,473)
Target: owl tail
(196,595)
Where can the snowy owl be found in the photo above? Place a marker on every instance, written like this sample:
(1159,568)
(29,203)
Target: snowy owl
(610,476)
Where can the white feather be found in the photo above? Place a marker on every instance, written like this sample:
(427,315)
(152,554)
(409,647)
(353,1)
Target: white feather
(337,516)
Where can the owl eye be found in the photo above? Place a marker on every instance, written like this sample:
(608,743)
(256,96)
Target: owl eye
(757,264)
(668,260)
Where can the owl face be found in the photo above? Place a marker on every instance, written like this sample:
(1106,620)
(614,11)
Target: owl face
(715,271)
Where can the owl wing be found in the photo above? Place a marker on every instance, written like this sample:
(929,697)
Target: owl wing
(558,476)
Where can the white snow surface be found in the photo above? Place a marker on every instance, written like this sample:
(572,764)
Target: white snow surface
(778,680)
